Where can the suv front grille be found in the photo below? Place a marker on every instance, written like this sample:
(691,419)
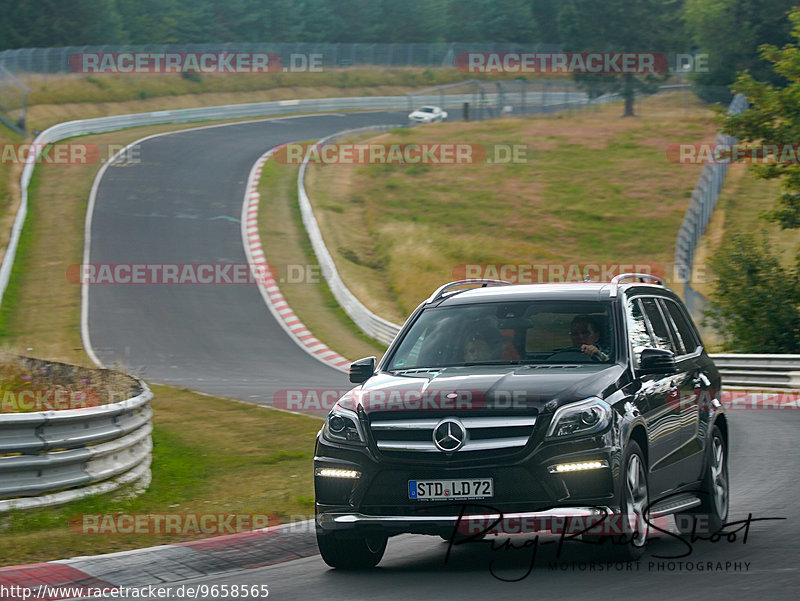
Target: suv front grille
(483,434)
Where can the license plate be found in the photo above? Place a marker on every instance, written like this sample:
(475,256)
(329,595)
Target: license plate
(433,490)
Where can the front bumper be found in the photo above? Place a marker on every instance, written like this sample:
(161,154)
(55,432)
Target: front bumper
(552,520)
(524,486)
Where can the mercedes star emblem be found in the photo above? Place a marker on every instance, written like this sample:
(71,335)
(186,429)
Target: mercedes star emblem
(449,435)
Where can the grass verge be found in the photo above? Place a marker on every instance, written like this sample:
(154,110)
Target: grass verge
(286,243)
(99,88)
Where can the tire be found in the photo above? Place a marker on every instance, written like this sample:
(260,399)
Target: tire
(348,551)
(634,499)
(712,512)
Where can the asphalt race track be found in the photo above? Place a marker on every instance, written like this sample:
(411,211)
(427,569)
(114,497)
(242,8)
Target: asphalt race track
(762,566)
(182,205)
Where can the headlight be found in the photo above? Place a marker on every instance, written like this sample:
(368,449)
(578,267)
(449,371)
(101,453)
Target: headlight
(580,419)
(342,425)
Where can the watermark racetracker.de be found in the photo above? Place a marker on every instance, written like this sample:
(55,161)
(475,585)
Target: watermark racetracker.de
(193,62)
(375,153)
(122,274)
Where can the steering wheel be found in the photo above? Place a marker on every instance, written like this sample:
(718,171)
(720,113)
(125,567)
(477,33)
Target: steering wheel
(572,353)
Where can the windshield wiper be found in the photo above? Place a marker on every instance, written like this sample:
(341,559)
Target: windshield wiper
(499,362)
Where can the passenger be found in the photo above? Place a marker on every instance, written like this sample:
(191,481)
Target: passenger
(483,342)
(477,348)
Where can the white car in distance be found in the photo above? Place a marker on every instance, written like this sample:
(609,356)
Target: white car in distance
(427,114)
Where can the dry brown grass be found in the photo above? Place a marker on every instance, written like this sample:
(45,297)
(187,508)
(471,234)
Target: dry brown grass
(592,190)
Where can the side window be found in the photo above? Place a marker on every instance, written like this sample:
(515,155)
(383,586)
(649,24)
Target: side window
(661,333)
(682,326)
(677,339)
(637,330)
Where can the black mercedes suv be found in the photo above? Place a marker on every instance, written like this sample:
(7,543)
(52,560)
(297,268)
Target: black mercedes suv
(542,402)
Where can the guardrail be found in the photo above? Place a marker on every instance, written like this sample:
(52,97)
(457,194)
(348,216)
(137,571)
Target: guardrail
(371,324)
(764,371)
(53,457)
(704,199)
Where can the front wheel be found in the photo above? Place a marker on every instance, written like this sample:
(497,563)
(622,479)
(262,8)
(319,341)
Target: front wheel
(350,551)
(632,521)
(712,512)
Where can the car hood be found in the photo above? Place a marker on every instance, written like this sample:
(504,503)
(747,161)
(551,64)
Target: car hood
(457,390)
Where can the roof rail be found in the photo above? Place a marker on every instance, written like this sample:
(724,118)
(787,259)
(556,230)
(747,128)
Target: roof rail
(442,290)
(618,279)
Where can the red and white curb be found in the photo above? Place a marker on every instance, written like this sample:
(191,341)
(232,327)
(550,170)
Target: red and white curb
(157,567)
(266,279)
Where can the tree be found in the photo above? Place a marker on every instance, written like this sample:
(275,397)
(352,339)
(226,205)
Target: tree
(357,21)
(414,20)
(511,21)
(622,25)
(545,12)
(756,301)
(159,21)
(52,23)
(730,32)
(773,119)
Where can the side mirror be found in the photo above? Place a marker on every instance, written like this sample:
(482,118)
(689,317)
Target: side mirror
(657,361)
(362,370)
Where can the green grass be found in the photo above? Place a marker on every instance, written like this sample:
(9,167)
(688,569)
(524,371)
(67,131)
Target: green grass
(11,297)
(232,460)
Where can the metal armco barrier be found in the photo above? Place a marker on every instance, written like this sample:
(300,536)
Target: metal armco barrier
(763,371)
(52,457)
(704,199)
(371,324)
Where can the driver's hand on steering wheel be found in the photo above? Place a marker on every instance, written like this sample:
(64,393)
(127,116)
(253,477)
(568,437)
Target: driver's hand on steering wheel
(593,352)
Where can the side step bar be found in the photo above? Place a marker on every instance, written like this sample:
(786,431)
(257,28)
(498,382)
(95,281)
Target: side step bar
(674,504)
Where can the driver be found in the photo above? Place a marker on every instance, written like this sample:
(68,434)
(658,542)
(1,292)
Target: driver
(585,335)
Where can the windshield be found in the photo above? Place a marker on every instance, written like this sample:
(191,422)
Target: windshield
(426,109)
(508,333)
